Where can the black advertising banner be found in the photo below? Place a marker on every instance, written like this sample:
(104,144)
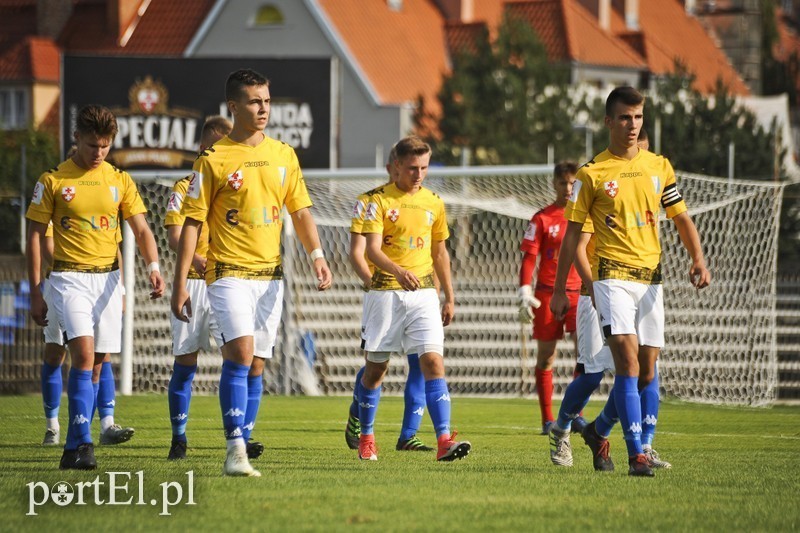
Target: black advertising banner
(161,103)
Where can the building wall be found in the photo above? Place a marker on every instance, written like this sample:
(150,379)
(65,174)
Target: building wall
(45,96)
(362,123)
(603,78)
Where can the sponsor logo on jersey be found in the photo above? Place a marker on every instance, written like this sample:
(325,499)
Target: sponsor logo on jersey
(372,211)
(68,193)
(38,191)
(358,210)
(611,188)
(175,202)
(530,233)
(576,189)
(248,164)
(195,182)
(236,180)
(393,214)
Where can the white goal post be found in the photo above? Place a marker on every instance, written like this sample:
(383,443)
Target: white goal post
(721,342)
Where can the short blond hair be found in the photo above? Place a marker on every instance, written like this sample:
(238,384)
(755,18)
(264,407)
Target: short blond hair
(216,126)
(411,145)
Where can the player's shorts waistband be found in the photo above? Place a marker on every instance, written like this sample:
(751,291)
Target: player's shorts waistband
(540,287)
(67,266)
(225,270)
(193,274)
(584,290)
(383,281)
(609,269)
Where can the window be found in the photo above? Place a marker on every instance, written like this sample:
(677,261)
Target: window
(266,16)
(13,108)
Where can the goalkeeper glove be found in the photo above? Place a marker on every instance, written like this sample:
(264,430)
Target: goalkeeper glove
(526,301)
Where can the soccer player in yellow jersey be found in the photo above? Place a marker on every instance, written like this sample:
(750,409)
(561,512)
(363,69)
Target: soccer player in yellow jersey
(622,189)
(414,394)
(406,228)
(83,197)
(189,337)
(239,188)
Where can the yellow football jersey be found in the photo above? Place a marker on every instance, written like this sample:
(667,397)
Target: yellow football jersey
(174,218)
(239,192)
(623,198)
(357,219)
(85,208)
(408,223)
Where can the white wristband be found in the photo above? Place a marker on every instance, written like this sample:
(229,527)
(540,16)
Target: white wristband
(317,253)
(153,267)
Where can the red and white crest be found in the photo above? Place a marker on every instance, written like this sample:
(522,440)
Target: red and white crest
(553,230)
(611,188)
(393,214)
(68,193)
(236,180)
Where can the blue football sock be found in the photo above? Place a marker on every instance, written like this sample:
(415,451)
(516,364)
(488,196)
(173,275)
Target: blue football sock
(95,390)
(626,396)
(576,397)
(255,386)
(650,400)
(414,397)
(106,393)
(52,386)
(607,418)
(356,387)
(81,399)
(437,396)
(233,398)
(179,395)
(367,408)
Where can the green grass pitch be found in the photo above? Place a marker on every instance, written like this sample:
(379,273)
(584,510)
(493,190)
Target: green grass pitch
(734,469)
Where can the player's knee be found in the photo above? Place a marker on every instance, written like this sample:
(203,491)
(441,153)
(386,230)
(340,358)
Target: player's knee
(375,370)
(189,359)
(257,366)
(431,364)
(54,354)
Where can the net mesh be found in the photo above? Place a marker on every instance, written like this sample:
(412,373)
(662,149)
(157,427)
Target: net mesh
(720,343)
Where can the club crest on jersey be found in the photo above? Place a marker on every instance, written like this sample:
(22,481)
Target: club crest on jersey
(393,214)
(611,188)
(553,230)
(236,180)
(68,193)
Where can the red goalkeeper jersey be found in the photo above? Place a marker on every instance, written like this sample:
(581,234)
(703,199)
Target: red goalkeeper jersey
(543,238)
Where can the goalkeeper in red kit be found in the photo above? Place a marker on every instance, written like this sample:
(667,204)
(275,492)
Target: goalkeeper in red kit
(542,241)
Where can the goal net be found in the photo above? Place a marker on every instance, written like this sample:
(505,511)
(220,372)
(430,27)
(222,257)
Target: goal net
(720,342)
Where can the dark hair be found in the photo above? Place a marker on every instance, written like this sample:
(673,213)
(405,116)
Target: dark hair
(411,145)
(565,167)
(627,95)
(643,135)
(215,125)
(98,120)
(242,78)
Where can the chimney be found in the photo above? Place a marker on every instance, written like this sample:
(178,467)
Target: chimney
(630,11)
(457,10)
(119,14)
(52,16)
(600,9)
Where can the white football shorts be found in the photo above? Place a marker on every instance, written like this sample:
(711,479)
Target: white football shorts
(592,351)
(89,305)
(247,307)
(52,331)
(189,337)
(402,322)
(631,308)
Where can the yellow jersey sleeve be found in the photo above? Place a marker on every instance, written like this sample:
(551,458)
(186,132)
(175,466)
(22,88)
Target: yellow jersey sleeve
(357,216)
(581,199)
(408,224)
(175,218)
(49,231)
(671,199)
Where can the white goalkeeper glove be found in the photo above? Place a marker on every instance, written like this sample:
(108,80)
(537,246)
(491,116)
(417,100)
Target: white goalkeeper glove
(526,301)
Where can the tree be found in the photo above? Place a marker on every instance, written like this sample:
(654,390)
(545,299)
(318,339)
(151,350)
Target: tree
(505,103)
(41,153)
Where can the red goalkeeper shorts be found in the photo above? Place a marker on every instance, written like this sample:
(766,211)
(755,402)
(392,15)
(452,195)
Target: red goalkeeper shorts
(545,325)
